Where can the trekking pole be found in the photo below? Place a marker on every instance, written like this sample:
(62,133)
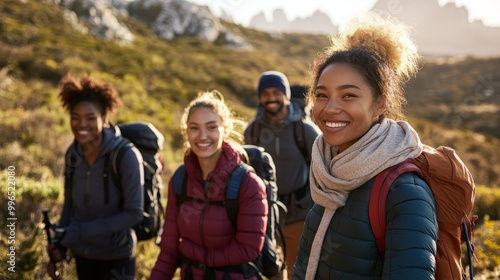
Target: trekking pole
(48,225)
(469,250)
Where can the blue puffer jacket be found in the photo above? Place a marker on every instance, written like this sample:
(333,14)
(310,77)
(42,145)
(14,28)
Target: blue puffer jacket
(349,250)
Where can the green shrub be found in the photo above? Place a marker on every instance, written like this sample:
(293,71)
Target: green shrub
(487,203)
(29,197)
(486,239)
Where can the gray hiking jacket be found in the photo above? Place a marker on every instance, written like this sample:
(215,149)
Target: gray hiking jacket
(292,169)
(96,229)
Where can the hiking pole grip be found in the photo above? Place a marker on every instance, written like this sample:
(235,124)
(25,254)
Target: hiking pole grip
(52,262)
(46,223)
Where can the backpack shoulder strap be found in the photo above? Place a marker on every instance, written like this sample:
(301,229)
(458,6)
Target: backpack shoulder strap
(179,180)
(300,139)
(378,198)
(112,167)
(69,170)
(254,133)
(233,189)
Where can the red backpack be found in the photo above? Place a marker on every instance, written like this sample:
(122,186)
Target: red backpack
(453,189)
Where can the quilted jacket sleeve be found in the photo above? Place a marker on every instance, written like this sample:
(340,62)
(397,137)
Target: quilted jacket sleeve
(350,252)
(412,231)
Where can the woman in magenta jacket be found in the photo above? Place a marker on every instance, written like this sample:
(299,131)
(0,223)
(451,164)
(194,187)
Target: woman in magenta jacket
(198,236)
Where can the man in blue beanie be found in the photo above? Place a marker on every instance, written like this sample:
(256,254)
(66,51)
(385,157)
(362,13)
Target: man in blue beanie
(279,127)
(274,79)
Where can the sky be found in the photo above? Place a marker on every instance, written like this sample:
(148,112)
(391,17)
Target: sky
(242,11)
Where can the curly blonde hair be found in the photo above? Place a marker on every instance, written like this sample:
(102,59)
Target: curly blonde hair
(214,100)
(381,50)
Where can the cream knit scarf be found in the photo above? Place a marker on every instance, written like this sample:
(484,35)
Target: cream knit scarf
(334,175)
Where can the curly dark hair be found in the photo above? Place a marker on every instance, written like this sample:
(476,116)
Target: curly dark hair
(381,50)
(89,89)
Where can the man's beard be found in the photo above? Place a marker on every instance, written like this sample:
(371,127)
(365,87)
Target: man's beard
(275,112)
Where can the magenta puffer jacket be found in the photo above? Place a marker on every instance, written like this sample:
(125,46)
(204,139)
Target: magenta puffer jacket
(203,232)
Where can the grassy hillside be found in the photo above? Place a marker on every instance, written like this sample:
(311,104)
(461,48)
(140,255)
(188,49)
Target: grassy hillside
(452,103)
(459,93)
(157,78)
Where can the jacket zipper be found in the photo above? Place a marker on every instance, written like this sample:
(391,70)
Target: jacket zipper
(202,214)
(87,188)
(277,146)
(86,200)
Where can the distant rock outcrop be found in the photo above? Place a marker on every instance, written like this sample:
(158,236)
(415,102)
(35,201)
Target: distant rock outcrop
(172,18)
(100,18)
(167,18)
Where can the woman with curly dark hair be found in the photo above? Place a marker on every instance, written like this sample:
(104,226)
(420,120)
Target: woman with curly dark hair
(97,217)
(357,96)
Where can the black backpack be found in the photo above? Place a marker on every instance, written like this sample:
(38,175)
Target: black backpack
(149,141)
(272,257)
(298,96)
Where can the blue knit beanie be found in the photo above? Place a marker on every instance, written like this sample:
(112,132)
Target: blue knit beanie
(274,79)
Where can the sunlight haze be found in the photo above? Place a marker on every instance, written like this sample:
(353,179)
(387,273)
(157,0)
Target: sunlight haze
(242,11)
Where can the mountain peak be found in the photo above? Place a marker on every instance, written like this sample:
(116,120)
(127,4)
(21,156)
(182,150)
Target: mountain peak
(317,23)
(438,31)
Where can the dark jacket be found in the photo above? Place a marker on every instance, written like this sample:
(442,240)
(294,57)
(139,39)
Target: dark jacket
(278,139)
(203,232)
(349,250)
(94,229)
(292,169)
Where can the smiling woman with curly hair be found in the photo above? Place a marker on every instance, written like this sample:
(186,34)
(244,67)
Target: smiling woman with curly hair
(357,98)
(97,217)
